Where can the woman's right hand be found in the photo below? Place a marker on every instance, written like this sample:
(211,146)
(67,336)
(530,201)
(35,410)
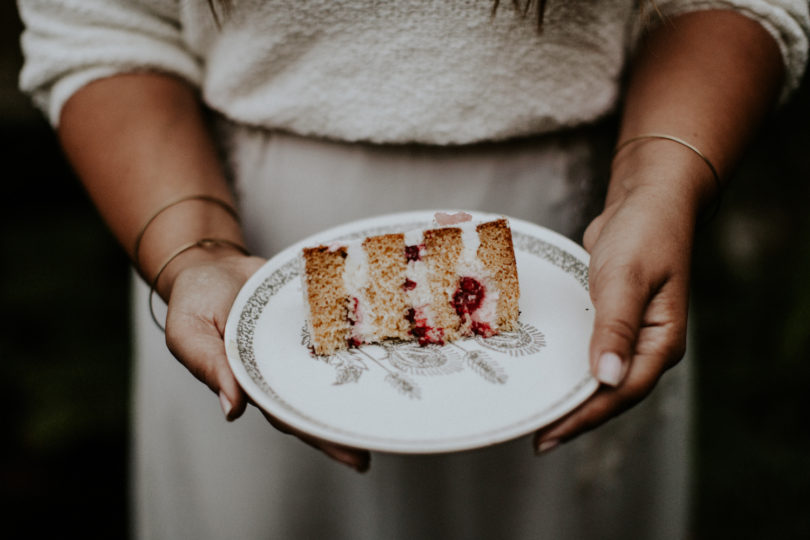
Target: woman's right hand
(139,141)
(201,289)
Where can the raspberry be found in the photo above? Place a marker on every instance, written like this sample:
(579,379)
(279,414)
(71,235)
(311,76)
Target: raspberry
(482,329)
(427,335)
(468,296)
(413,253)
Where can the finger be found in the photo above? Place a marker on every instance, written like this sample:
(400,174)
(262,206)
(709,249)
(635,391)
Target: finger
(592,232)
(357,459)
(606,403)
(199,346)
(660,345)
(620,296)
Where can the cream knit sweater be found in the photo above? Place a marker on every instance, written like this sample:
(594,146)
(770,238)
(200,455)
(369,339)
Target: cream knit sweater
(432,71)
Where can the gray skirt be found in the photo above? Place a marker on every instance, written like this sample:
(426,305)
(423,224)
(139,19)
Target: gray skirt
(197,476)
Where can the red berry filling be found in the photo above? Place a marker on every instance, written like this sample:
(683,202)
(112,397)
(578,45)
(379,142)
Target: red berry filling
(414,253)
(466,300)
(354,311)
(354,317)
(482,329)
(409,285)
(423,332)
(468,296)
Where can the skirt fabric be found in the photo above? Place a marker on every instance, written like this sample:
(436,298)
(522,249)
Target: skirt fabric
(197,476)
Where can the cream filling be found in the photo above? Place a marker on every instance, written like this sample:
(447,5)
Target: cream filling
(355,280)
(469,265)
(419,297)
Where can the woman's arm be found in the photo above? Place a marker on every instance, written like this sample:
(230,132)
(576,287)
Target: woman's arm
(138,142)
(707,78)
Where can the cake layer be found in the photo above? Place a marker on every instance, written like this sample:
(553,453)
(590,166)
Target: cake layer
(497,253)
(386,300)
(326,297)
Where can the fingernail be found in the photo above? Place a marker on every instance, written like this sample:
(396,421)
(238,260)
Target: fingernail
(546,446)
(226,405)
(610,369)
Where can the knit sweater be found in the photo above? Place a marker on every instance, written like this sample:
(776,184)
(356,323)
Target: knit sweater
(430,71)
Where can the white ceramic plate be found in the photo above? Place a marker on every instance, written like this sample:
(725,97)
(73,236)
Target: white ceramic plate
(405,398)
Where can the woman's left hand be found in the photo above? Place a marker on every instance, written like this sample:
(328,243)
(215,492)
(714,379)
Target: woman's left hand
(710,77)
(639,281)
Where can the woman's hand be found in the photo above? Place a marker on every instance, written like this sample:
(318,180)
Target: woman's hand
(138,141)
(639,280)
(707,77)
(201,294)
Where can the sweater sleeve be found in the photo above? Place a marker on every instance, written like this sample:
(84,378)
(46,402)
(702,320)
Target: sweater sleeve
(788,21)
(70,43)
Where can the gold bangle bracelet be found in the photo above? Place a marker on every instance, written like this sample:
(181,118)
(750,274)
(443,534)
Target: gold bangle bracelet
(201,243)
(136,251)
(718,183)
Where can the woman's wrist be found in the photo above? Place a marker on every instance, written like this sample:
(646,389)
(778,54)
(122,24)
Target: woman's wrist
(219,252)
(669,168)
(188,231)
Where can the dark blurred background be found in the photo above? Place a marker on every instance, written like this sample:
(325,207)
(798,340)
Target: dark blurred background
(64,343)
(64,350)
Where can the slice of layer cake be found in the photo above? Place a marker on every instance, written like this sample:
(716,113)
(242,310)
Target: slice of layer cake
(433,285)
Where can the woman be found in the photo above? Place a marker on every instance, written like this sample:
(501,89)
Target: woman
(330,111)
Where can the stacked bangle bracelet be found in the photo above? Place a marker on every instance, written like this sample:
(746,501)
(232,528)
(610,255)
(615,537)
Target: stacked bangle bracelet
(136,252)
(203,243)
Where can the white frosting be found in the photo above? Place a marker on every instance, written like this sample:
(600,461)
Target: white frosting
(488,310)
(469,265)
(471,241)
(355,280)
(414,237)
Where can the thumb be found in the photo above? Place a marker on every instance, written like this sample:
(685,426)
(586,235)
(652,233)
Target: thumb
(619,297)
(592,232)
